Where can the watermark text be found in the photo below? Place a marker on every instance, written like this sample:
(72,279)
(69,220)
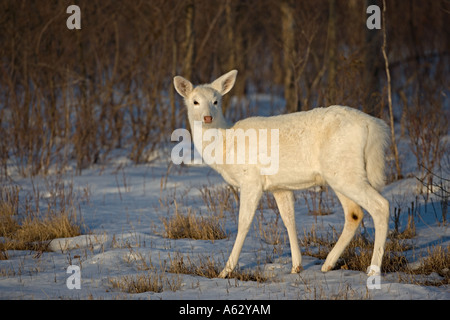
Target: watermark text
(228,146)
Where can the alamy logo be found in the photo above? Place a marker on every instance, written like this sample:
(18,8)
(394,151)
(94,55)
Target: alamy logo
(74,280)
(374,20)
(374,279)
(228,146)
(74,20)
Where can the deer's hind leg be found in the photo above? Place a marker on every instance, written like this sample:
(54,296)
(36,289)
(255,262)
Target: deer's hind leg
(365,196)
(353,217)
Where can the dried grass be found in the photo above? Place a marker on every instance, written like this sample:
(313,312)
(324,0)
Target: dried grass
(146,282)
(25,227)
(193,226)
(206,266)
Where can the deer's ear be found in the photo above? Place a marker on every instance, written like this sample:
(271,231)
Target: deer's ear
(224,83)
(183,86)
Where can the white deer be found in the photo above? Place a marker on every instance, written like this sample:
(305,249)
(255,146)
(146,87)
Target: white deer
(336,146)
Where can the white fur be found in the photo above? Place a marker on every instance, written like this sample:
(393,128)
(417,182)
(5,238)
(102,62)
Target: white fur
(338,146)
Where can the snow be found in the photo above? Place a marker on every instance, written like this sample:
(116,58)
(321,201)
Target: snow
(123,235)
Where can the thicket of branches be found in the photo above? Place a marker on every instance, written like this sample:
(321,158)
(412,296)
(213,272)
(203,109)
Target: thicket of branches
(79,94)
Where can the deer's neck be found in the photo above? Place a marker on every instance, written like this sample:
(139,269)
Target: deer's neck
(209,140)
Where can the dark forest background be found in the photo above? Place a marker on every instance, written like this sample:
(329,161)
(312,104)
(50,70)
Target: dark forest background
(76,95)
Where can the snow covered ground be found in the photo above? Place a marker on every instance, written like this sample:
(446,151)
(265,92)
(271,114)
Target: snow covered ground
(122,206)
(125,233)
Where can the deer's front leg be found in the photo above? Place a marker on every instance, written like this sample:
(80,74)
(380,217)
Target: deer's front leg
(285,202)
(249,199)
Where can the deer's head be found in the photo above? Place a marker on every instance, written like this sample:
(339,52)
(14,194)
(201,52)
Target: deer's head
(204,102)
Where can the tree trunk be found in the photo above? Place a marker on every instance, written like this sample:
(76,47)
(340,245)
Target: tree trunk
(287,25)
(373,67)
(189,48)
(173,123)
(332,46)
(391,114)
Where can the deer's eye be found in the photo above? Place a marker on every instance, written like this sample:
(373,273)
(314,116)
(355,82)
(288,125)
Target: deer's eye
(215,102)
(195,102)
